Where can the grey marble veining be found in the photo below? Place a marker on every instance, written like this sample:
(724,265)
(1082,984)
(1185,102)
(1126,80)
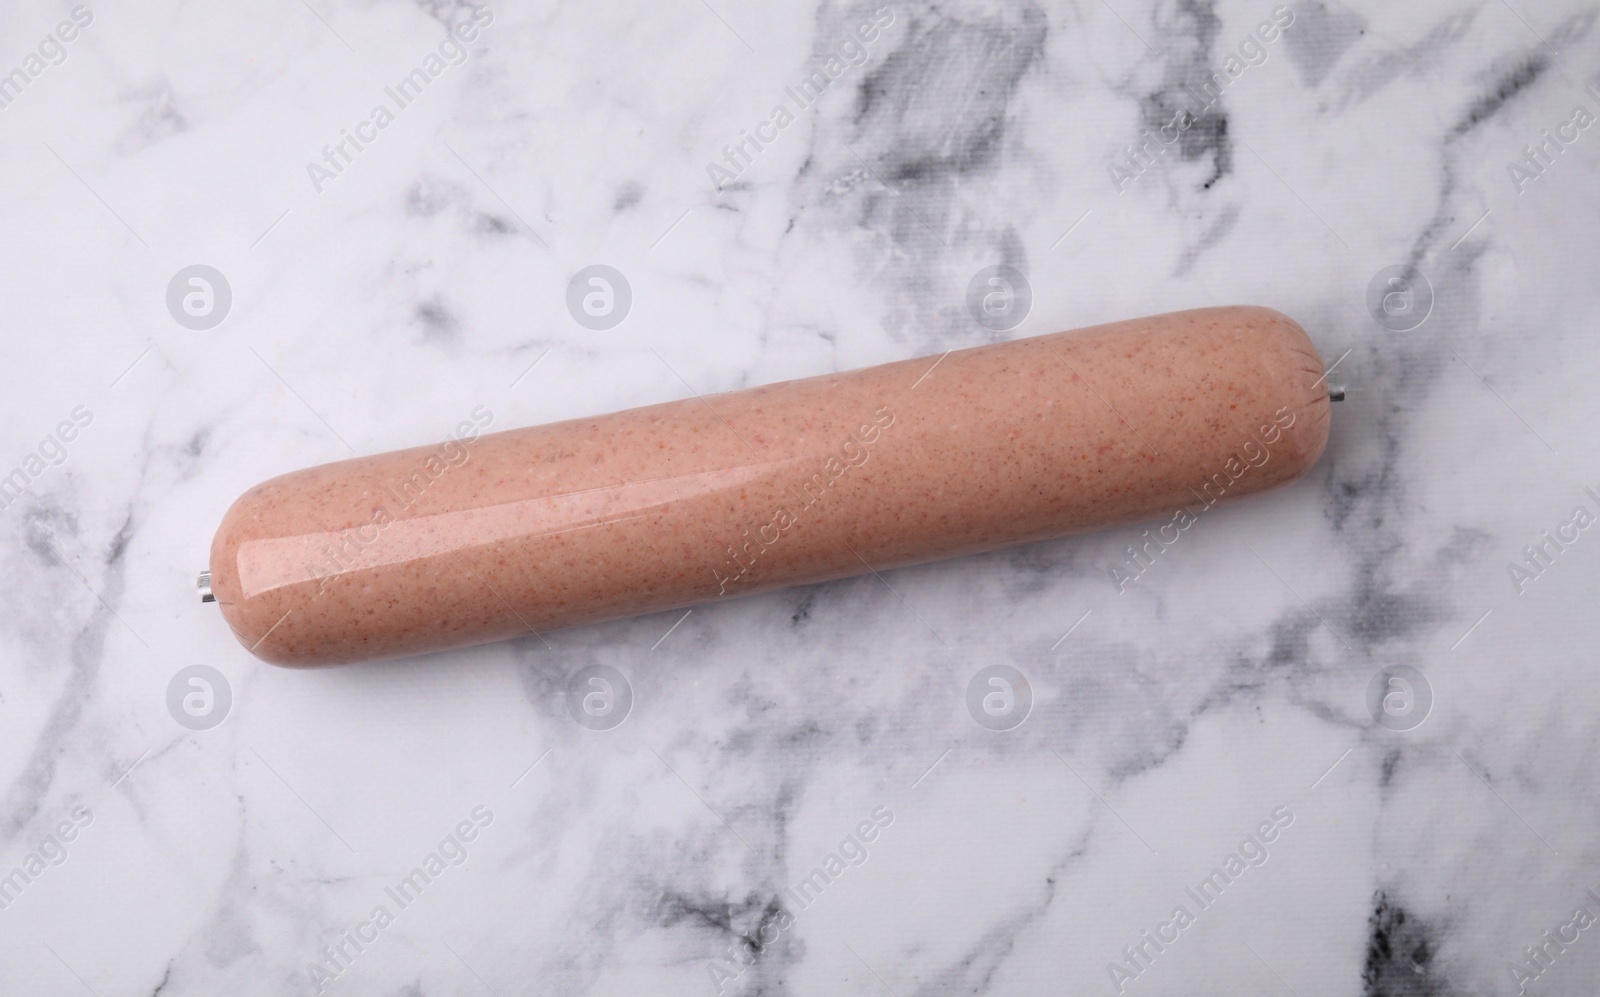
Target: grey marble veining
(1200,799)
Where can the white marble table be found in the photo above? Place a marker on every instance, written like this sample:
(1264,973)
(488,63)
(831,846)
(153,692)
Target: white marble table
(381,290)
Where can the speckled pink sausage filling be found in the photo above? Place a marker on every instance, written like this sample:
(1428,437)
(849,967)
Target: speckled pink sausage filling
(698,500)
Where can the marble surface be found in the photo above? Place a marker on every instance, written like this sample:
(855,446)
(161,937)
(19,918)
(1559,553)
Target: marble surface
(1214,715)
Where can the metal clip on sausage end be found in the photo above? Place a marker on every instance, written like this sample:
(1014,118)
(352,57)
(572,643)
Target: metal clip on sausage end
(1335,394)
(203,583)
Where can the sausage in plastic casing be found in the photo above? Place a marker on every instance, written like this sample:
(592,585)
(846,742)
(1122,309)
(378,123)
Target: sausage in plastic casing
(802,481)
